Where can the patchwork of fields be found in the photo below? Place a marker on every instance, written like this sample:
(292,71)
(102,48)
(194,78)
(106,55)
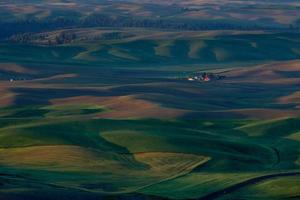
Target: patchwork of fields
(118,119)
(140,99)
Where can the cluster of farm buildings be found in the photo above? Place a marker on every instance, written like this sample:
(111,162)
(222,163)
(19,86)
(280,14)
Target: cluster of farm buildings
(205,77)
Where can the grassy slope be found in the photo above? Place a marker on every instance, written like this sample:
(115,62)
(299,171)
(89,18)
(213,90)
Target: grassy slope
(84,152)
(211,179)
(103,143)
(277,188)
(225,49)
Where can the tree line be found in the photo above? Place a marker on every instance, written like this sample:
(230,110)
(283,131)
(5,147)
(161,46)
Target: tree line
(97,20)
(63,37)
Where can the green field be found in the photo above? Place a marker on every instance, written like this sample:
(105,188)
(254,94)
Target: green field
(112,115)
(148,52)
(149,157)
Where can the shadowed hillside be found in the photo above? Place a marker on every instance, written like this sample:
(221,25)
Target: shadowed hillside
(148,51)
(149,100)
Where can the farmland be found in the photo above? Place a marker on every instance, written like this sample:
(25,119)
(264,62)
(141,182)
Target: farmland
(108,112)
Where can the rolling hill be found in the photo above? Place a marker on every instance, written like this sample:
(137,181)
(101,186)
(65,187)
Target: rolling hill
(149,100)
